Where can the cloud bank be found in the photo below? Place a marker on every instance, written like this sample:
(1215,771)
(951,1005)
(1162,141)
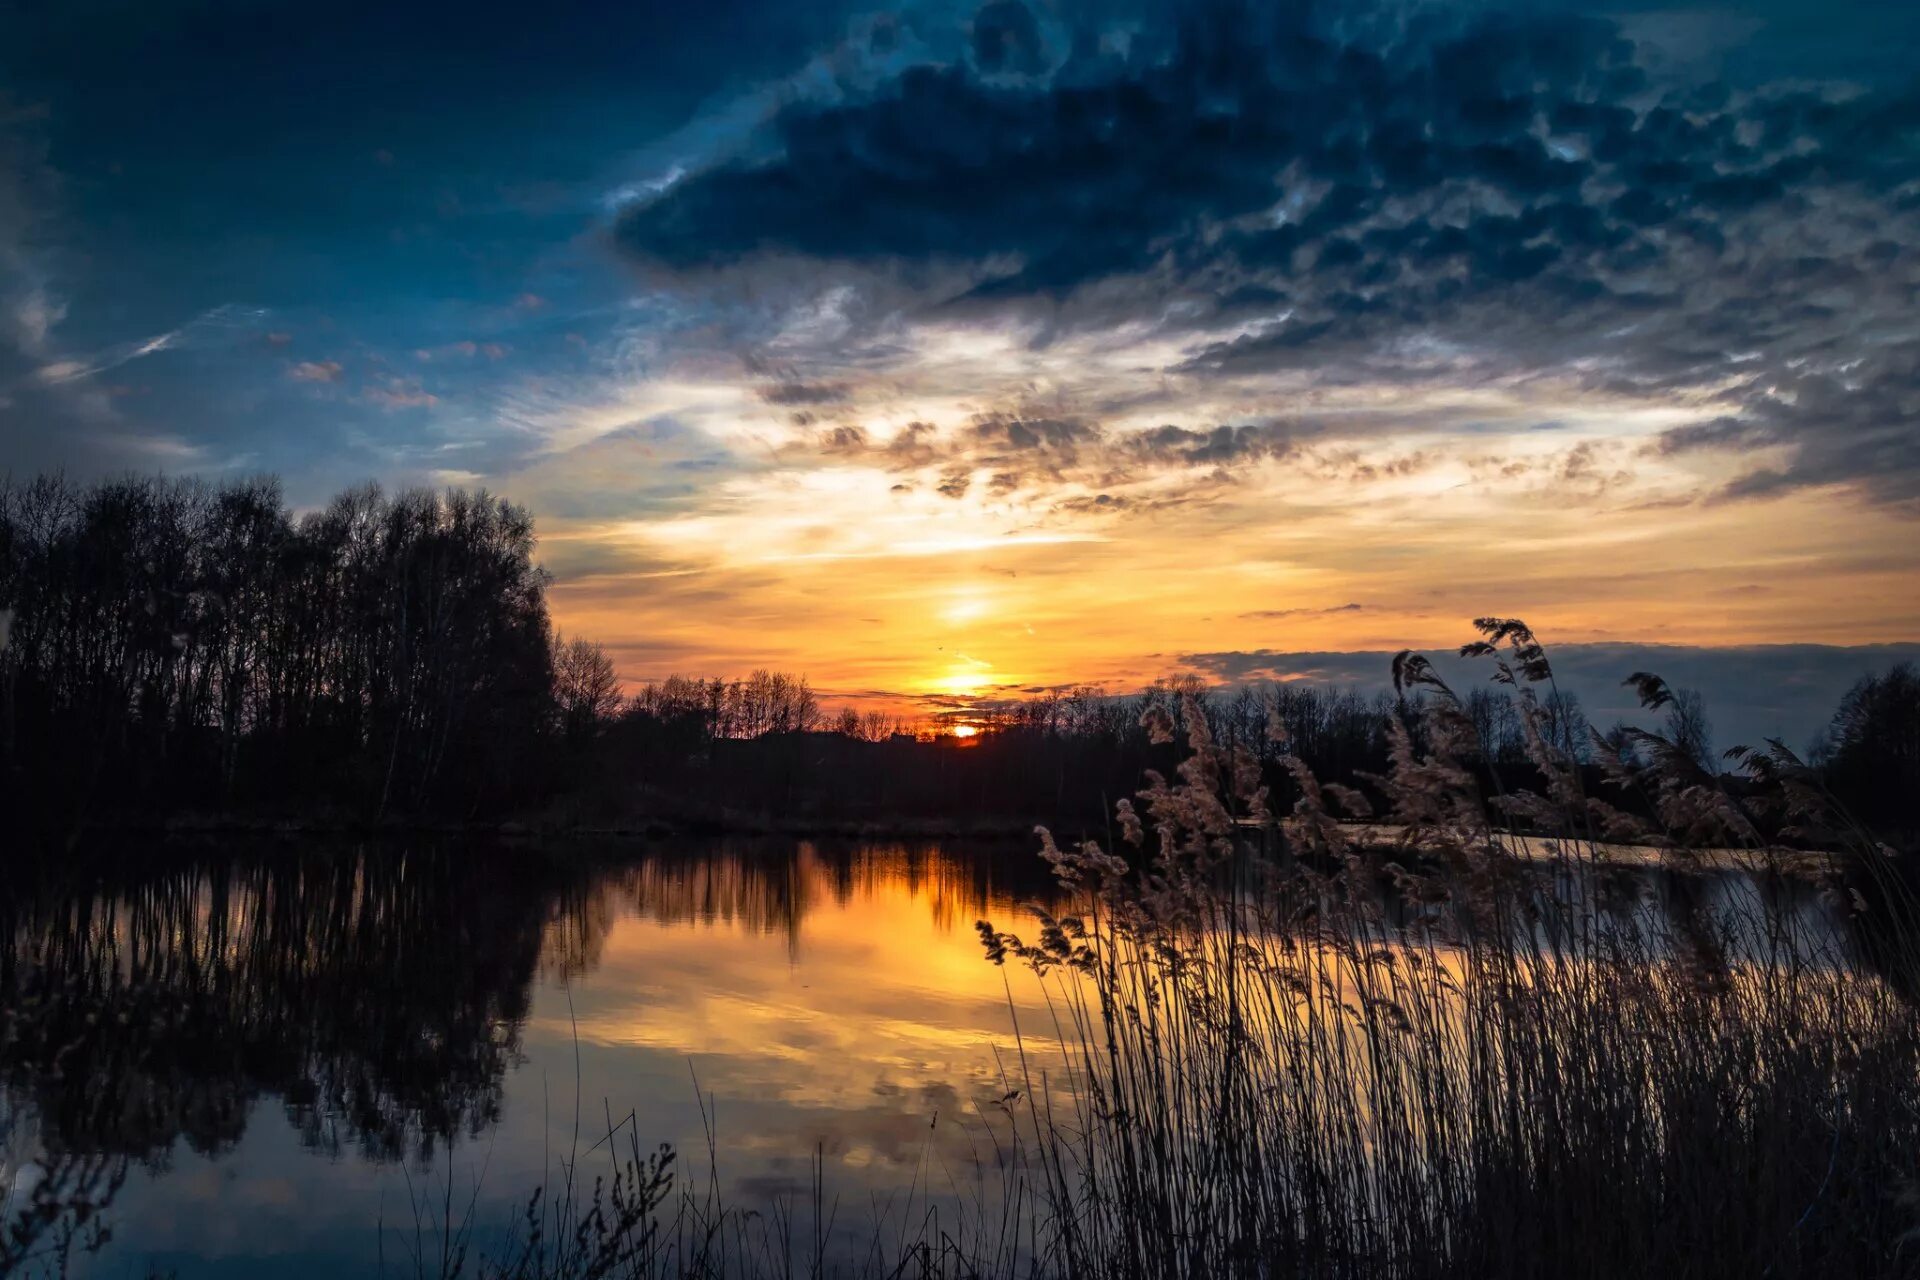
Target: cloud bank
(1283,196)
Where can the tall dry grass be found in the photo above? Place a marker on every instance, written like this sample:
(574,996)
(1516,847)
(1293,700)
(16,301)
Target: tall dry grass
(1298,1052)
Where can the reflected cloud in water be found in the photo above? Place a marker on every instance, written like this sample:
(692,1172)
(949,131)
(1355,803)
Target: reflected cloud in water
(306,1037)
(220,1022)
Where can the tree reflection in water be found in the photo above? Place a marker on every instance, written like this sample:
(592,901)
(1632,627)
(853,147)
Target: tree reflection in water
(377,993)
(378,996)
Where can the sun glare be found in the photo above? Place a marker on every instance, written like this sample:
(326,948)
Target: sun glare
(965,607)
(963,679)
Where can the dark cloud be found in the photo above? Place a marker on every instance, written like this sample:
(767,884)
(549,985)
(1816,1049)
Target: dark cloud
(917,444)
(1024,451)
(1113,504)
(1217,446)
(1388,197)
(1006,37)
(1128,470)
(1753,692)
(796,393)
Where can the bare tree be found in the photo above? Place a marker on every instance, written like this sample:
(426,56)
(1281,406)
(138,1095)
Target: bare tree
(586,688)
(1565,725)
(1871,750)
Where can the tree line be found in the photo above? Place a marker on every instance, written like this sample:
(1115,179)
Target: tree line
(1064,756)
(170,645)
(170,641)
(762,703)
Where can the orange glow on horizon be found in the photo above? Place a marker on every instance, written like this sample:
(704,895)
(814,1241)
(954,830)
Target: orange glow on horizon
(895,586)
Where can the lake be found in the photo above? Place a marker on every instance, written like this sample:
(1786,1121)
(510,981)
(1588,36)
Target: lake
(325,1061)
(292,1050)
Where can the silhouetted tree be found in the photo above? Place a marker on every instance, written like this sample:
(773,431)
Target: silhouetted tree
(1565,725)
(586,689)
(1871,749)
(174,644)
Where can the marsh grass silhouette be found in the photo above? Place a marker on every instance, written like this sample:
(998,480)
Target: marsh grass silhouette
(1277,1078)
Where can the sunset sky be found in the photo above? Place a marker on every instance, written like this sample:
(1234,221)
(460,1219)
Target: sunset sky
(961,350)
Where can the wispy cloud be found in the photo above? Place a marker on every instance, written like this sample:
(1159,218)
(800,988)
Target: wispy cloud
(219,322)
(1272,615)
(399,393)
(316,371)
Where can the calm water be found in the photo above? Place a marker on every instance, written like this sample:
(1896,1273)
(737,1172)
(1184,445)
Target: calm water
(287,1053)
(290,1050)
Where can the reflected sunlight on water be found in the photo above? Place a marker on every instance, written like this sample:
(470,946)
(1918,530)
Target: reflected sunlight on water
(832,1003)
(314,1041)
(286,1054)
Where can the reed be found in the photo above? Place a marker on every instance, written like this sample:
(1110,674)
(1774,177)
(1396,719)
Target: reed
(1301,1050)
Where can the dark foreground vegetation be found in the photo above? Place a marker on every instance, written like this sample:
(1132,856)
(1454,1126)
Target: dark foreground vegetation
(171,651)
(171,646)
(1497,1068)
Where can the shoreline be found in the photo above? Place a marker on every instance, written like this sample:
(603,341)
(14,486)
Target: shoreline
(1523,848)
(517,830)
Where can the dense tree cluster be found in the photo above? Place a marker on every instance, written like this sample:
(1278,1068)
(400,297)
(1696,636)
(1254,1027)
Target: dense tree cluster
(1871,751)
(167,640)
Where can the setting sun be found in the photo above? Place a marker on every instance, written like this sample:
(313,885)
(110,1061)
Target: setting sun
(967,678)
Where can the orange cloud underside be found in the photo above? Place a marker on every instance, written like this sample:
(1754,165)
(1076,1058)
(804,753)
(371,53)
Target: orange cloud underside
(869,590)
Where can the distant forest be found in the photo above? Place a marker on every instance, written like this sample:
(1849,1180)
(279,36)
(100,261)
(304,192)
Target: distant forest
(173,649)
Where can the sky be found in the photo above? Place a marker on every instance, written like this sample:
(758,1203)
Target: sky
(957,350)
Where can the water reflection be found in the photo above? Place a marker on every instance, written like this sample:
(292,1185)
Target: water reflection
(222,1020)
(377,999)
(307,1036)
